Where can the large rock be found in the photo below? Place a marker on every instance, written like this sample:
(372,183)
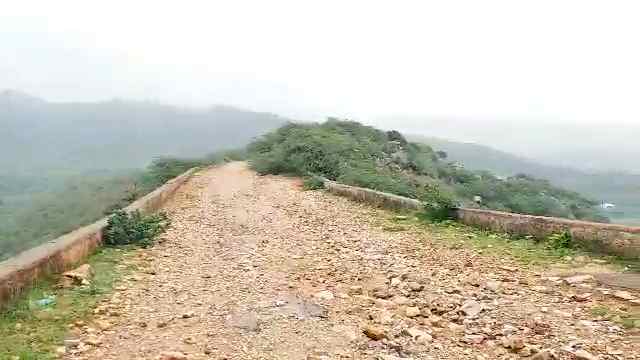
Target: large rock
(374,332)
(381,293)
(412,311)
(324,295)
(419,336)
(78,276)
(471,308)
(515,343)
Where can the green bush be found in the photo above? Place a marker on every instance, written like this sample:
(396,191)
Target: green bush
(134,228)
(313,183)
(438,205)
(560,241)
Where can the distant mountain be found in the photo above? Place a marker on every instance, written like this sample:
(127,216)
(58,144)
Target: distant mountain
(36,135)
(601,146)
(620,188)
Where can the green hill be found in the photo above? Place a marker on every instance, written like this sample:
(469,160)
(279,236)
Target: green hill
(619,188)
(37,135)
(63,165)
(360,155)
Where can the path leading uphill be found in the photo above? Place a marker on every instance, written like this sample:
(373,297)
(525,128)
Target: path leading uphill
(254,268)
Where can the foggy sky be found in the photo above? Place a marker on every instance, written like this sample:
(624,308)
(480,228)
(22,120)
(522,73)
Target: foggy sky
(573,61)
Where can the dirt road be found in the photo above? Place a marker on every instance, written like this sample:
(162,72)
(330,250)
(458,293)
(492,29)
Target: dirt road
(254,268)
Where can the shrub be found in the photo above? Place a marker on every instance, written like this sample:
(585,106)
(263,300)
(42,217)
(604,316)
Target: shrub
(134,228)
(313,183)
(438,205)
(380,180)
(560,241)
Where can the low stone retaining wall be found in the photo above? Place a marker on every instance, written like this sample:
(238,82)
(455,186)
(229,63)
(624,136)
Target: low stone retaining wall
(20,272)
(605,238)
(373,197)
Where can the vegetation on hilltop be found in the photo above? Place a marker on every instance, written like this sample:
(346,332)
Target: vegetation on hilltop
(351,153)
(620,188)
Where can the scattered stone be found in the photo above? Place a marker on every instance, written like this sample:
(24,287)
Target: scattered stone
(541,289)
(172,356)
(401,300)
(355,290)
(509,268)
(584,355)
(527,351)
(412,311)
(245,321)
(578,279)
(381,293)
(102,324)
(493,285)
(385,304)
(319,355)
(581,297)
(515,343)
(474,339)
(385,317)
(395,281)
(623,295)
(414,286)
(78,276)
(374,333)
(61,350)
(71,343)
(509,330)
(471,308)
(93,341)
(437,321)
(324,295)
(545,355)
(419,336)
(188,315)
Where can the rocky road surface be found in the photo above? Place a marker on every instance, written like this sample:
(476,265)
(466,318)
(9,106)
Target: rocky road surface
(255,268)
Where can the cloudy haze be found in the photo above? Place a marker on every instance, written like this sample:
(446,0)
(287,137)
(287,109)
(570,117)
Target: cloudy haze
(557,61)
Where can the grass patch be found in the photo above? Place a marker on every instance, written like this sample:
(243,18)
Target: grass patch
(628,320)
(30,331)
(525,249)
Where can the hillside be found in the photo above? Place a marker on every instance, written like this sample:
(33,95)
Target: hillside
(63,165)
(360,155)
(37,135)
(620,188)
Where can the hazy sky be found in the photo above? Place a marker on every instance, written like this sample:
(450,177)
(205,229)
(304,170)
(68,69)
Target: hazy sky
(565,61)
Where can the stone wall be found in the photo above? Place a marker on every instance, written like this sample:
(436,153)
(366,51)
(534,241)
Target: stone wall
(605,238)
(20,272)
(376,198)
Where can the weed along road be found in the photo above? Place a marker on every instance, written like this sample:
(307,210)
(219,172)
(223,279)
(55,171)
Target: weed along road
(253,267)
